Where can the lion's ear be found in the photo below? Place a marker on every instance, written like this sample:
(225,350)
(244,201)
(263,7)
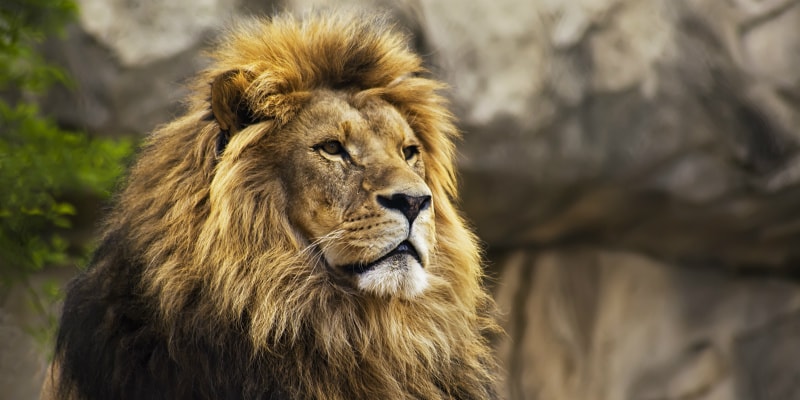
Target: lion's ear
(228,102)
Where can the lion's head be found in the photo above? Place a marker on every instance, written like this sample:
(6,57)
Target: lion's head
(353,172)
(306,199)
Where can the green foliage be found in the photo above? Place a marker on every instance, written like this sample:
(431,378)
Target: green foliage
(23,25)
(41,164)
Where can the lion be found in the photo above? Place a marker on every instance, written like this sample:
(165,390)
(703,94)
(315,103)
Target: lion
(294,235)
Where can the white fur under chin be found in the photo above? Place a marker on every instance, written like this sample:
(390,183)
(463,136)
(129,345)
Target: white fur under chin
(403,278)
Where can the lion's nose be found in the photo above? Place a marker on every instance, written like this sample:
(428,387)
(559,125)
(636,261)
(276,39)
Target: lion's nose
(410,206)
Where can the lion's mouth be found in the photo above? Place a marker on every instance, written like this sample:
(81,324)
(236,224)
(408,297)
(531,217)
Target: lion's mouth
(403,249)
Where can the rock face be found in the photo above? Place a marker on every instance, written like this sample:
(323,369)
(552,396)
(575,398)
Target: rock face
(136,31)
(22,366)
(633,166)
(588,323)
(647,125)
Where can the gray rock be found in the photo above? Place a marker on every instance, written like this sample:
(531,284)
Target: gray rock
(22,366)
(144,31)
(657,105)
(592,324)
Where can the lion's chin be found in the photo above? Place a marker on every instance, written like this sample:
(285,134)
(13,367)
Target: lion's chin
(400,275)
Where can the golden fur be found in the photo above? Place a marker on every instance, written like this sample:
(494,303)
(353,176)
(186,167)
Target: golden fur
(243,238)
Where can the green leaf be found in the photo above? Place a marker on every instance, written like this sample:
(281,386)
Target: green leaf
(41,164)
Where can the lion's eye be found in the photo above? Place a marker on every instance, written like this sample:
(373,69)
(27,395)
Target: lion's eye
(410,151)
(332,147)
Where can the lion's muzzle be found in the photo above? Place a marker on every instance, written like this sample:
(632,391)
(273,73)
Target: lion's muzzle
(404,249)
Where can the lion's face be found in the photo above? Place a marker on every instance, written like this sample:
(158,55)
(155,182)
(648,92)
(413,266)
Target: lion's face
(354,177)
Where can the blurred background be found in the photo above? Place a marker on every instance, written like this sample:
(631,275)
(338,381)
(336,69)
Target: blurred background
(632,167)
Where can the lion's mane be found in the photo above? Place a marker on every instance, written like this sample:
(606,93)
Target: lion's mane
(202,289)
